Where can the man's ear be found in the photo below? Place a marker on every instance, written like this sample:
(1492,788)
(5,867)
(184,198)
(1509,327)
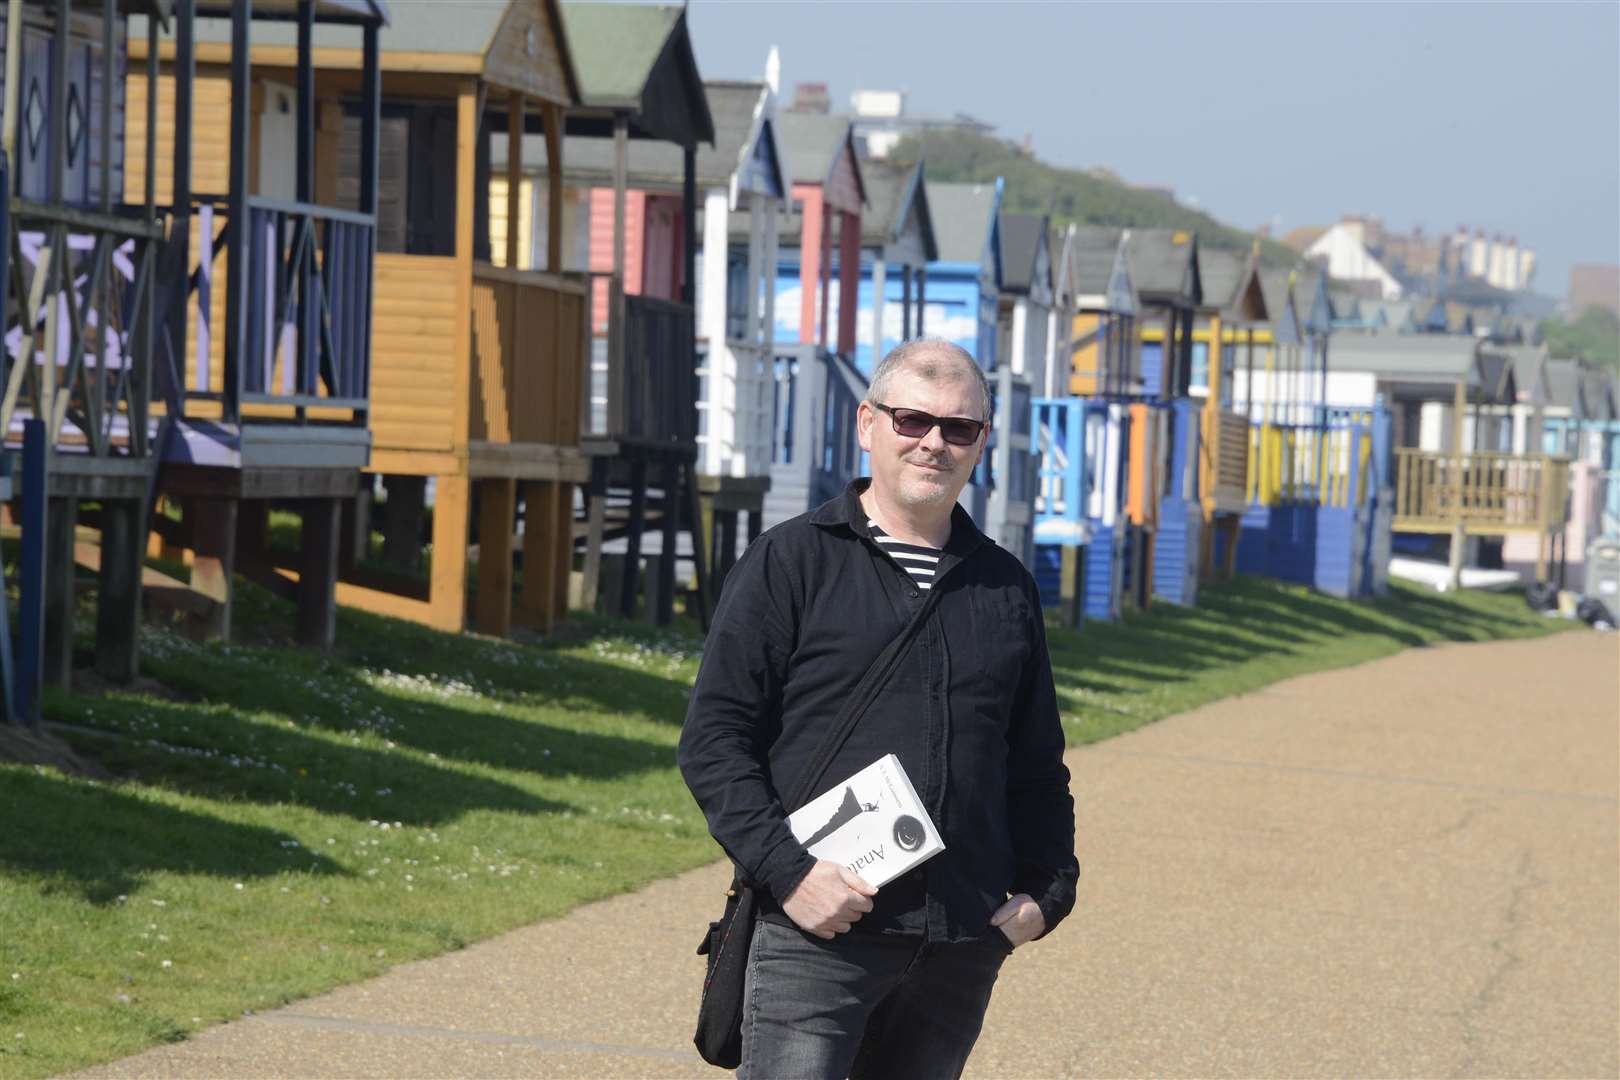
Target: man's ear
(865,417)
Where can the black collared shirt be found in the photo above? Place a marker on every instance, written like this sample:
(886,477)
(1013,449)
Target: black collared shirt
(971,713)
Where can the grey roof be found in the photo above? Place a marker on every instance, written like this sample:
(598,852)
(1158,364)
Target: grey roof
(1092,252)
(811,143)
(1564,384)
(1496,376)
(1597,394)
(651,163)
(1406,357)
(636,58)
(1020,248)
(1529,363)
(1227,277)
(892,192)
(1164,264)
(961,219)
(1280,309)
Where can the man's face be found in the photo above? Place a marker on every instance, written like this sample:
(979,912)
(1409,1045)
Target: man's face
(925,471)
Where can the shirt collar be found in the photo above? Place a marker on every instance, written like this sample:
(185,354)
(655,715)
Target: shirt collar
(845,511)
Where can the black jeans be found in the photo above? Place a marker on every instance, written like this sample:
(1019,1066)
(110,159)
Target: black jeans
(866,1006)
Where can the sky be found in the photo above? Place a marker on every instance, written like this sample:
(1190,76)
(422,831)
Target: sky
(1501,116)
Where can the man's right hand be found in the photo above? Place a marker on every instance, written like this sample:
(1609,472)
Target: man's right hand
(829,900)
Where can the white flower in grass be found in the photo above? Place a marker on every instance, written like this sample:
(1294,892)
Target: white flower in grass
(168,963)
(237,886)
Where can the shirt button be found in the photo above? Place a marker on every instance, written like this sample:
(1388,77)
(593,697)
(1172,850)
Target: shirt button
(914,594)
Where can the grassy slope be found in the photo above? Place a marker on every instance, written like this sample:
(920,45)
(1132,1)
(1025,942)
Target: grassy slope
(284,823)
(1071,195)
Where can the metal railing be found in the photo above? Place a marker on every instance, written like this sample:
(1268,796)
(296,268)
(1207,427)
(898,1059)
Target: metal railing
(79,314)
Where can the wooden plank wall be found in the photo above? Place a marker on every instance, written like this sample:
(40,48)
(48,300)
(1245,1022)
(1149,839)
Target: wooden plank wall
(528,362)
(413,349)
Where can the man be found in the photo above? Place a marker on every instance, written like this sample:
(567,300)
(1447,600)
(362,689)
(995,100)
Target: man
(844,979)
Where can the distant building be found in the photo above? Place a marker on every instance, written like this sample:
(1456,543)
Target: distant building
(881,121)
(1342,251)
(811,97)
(1594,285)
(1417,263)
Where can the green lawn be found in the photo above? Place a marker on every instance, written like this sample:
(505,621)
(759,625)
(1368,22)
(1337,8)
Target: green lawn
(273,823)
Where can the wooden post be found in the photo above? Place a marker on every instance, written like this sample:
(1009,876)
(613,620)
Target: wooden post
(810,256)
(562,550)
(553,118)
(1459,539)
(497,514)
(669,524)
(699,550)
(118,603)
(62,518)
(317,573)
(354,544)
(237,230)
(402,520)
(919,327)
(880,286)
(849,280)
(595,523)
(538,604)
(214,539)
(1069,587)
(617,414)
(632,544)
(448,576)
(253,530)
(1459,409)
(514,178)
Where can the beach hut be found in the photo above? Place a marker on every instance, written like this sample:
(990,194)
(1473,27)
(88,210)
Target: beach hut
(741,187)
(80,272)
(897,245)
(1580,421)
(474,369)
(1233,308)
(1084,549)
(815,450)
(1447,481)
(271,181)
(1023,321)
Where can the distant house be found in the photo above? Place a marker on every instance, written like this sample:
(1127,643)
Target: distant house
(1342,252)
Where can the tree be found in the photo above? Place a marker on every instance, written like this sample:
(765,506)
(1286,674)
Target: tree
(1594,336)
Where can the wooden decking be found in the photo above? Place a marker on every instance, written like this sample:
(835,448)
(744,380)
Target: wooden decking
(1480,494)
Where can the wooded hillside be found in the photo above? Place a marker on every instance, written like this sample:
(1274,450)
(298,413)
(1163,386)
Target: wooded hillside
(1070,195)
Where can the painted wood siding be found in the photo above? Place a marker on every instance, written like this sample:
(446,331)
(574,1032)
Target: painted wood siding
(529,354)
(413,387)
(601,246)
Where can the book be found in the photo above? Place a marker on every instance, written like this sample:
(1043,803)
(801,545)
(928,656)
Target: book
(873,823)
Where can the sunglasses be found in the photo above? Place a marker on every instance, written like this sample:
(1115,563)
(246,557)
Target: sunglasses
(914,424)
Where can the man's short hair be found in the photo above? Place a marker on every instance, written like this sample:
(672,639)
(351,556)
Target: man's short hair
(931,359)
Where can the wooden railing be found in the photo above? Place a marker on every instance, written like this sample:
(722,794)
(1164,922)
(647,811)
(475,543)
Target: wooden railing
(529,350)
(1482,494)
(306,311)
(652,397)
(79,311)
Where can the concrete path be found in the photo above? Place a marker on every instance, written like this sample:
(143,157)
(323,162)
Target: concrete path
(1409,868)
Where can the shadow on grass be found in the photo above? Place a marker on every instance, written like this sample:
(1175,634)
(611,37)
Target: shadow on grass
(101,841)
(1252,618)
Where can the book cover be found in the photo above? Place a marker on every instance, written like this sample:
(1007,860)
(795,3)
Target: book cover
(873,823)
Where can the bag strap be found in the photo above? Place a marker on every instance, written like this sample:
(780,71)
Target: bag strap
(857,702)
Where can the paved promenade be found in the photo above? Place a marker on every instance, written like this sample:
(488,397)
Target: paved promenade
(1406,869)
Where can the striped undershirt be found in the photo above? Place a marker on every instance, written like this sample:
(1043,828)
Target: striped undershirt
(918,561)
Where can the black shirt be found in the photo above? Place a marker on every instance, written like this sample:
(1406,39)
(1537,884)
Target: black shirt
(971,713)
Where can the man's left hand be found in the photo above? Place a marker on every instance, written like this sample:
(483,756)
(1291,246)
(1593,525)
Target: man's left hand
(1020,919)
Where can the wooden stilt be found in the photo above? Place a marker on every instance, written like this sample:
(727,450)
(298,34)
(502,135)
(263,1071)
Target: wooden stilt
(1234,531)
(562,551)
(540,538)
(1069,585)
(355,543)
(253,530)
(595,523)
(61,518)
(402,520)
(448,576)
(118,605)
(214,541)
(678,472)
(497,518)
(317,572)
(632,544)
(669,528)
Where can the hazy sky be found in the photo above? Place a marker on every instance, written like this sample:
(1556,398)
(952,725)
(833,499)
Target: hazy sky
(1502,116)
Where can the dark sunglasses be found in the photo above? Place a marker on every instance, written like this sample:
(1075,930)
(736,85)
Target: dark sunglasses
(914,424)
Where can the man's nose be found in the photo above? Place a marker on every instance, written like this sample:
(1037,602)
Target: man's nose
(932,441)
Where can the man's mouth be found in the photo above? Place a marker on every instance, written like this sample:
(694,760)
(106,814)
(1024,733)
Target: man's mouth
(932,466)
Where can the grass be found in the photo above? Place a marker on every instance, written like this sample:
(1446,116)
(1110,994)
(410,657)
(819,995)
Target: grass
(273,823)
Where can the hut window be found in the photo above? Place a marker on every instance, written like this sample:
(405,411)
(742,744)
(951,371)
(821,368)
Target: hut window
(416,176)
